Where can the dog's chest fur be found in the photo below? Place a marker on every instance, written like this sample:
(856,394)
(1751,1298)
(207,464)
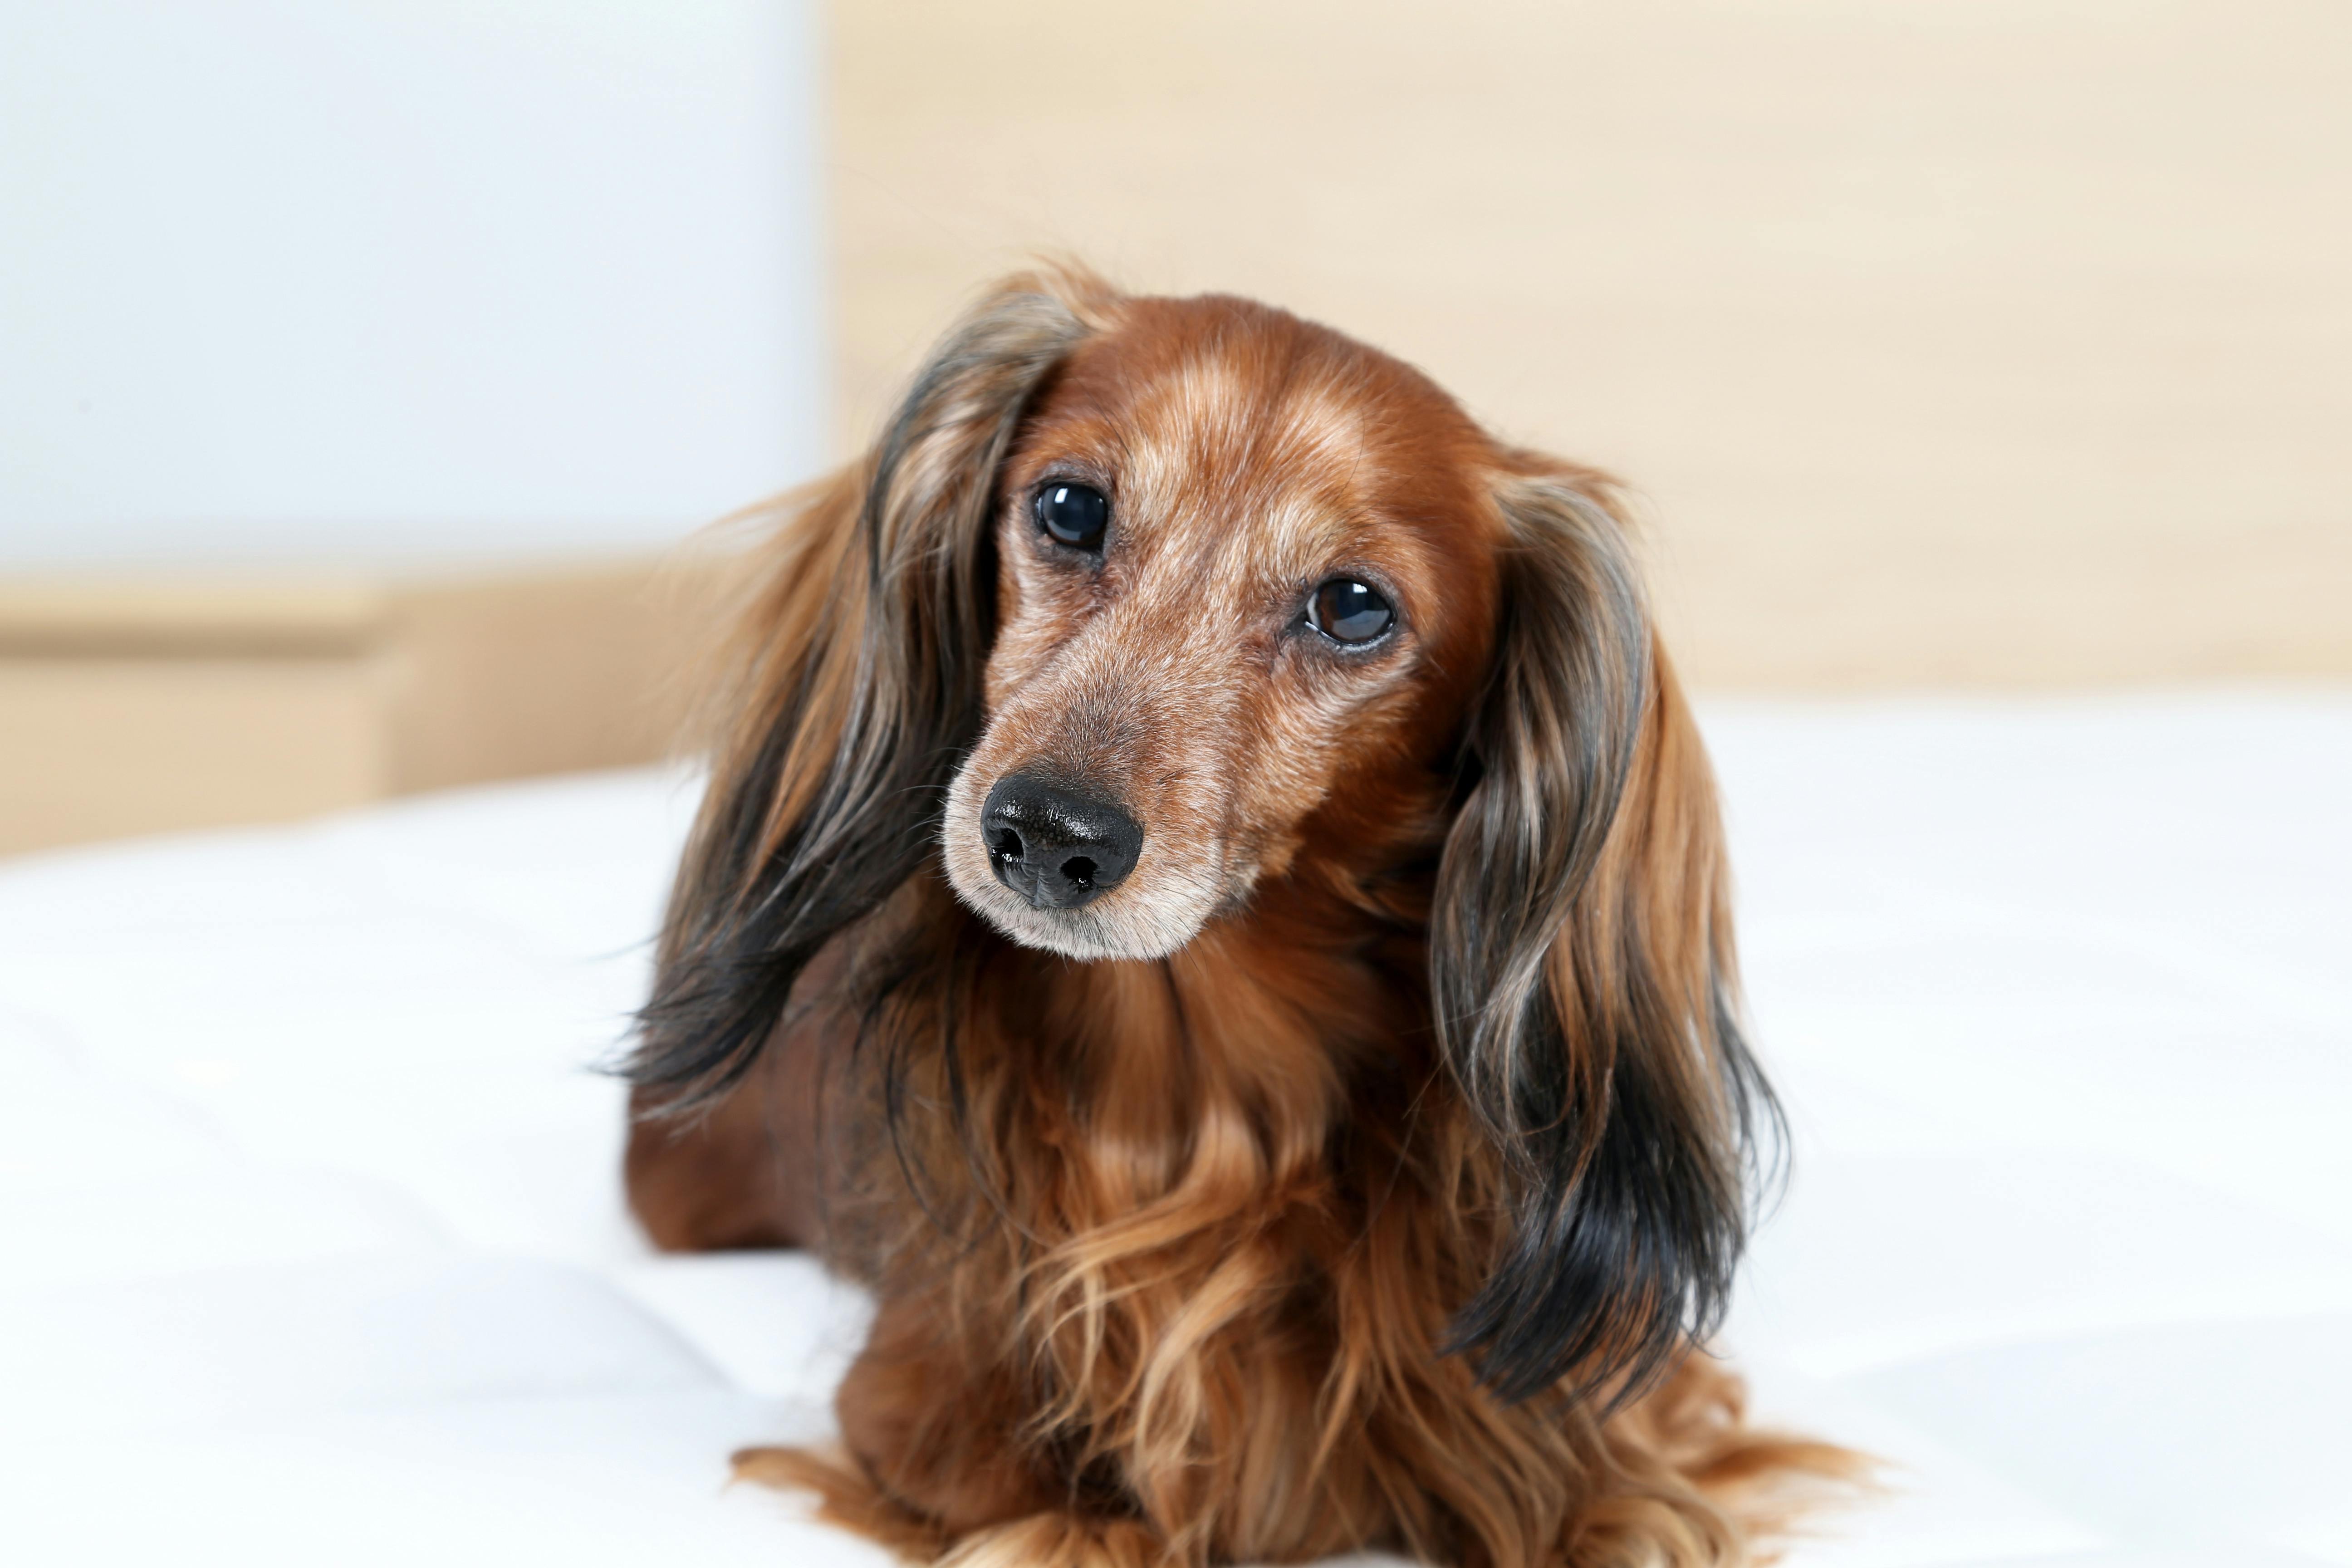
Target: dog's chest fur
(1173,1226)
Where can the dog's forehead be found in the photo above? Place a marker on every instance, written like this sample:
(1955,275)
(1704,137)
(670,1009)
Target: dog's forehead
(1232,425)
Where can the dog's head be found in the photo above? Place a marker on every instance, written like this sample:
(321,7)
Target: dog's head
(1244,576)
(1142,607)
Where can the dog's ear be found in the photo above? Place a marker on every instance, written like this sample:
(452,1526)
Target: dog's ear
(1582,972)
(855,688)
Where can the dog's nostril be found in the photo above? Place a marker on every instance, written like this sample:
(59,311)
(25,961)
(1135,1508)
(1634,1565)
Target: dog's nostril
(1006,844)
(1080,870)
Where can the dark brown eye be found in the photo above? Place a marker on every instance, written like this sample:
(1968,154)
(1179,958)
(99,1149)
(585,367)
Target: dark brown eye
(1349,612)
(1074,514)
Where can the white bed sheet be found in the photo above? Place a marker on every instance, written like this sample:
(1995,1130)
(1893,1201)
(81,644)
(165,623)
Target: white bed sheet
(311,1250)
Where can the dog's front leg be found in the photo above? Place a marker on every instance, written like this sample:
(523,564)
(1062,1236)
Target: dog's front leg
(746,1172)
(939,1430)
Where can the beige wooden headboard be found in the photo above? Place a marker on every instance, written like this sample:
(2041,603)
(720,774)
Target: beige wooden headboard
(1953,341)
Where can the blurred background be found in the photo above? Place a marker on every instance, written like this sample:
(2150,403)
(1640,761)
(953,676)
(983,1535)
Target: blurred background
(361,361)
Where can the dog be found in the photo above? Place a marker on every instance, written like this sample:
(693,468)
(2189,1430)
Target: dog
(1209,902)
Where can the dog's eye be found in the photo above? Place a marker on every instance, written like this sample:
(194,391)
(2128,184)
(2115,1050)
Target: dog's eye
(1074,515)
(1349,612)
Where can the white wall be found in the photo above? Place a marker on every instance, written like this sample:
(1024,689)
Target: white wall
(357,279)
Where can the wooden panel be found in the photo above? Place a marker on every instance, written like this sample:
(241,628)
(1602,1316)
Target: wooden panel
(541,674)
(138,706)
(110,616)
(97,748)
(1947,342)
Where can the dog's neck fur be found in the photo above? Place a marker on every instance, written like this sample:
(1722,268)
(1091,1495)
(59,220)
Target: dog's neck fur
(1217,1079)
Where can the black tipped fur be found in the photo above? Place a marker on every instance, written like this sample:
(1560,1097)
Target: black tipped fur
(739,933)
(1625,1101)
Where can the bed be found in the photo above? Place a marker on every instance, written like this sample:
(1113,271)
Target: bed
(314,1253)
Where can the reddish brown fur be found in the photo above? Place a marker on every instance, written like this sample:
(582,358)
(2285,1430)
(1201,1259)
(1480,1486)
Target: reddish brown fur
(1174,1286)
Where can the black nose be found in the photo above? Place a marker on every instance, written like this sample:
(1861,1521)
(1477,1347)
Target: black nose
(1054,848)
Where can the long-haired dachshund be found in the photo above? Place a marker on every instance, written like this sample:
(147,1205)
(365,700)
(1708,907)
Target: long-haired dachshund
(1211,903)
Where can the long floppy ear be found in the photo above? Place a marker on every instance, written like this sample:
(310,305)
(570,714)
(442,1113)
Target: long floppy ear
(1583,970)
(856,689)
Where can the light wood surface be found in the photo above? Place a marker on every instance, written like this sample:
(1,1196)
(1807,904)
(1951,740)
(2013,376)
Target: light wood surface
(1947,342)
(143,705)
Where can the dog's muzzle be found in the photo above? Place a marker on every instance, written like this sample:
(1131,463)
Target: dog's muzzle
(1056,849)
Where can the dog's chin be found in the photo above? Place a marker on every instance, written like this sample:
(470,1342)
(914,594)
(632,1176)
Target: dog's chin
(1129,923)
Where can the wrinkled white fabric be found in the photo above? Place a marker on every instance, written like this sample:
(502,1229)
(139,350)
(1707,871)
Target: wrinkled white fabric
(312,1249)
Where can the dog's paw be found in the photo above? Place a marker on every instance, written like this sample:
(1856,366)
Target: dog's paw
(1058,1540)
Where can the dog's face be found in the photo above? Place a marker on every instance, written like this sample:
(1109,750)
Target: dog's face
(1244,580)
